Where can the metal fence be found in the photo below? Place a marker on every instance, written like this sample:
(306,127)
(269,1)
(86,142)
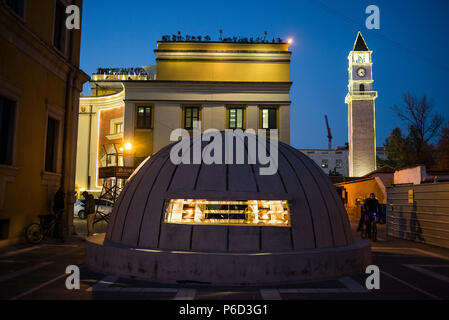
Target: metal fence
(419,213)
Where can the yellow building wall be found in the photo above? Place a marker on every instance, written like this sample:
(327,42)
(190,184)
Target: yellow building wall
(28,195)
(143,138)
(219,67)
(143,143)
(26,198)
(223,71)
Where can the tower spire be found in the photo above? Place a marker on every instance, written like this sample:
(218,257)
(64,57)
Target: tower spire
(360,44)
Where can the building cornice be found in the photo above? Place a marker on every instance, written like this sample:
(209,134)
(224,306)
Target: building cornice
(167,83)
(208,92)
(104,101)
(213,102)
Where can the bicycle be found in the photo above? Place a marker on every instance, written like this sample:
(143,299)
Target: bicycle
(371,232)
(36,232)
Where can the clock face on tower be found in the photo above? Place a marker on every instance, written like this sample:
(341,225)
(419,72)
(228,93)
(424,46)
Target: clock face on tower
(361,72)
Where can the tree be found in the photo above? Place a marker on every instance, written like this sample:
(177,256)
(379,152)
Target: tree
(442,150)
(418,113)
(424,125)
(396,149)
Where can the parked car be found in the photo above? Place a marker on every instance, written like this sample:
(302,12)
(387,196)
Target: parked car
(102,205)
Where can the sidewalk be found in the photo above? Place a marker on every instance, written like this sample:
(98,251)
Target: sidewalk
(388,243)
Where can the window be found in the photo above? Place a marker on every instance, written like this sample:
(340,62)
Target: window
(339,163)
(324,163)
(7,121)
(236,118)
(51,151)
(118,127)
(191,114)
(59,27)
(144,117)
(362,87)
(18,6)
(269,118)
(251,212)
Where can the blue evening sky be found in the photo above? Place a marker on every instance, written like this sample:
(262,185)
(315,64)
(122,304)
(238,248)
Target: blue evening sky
(411,50)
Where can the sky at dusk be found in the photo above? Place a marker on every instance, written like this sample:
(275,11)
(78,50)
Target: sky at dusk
(410,51)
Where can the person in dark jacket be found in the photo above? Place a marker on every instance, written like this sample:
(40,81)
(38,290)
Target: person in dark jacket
(370,207)
(89,209)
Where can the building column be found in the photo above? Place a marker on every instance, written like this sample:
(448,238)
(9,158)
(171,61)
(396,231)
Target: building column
(284,124)
(252,117)
(128,135)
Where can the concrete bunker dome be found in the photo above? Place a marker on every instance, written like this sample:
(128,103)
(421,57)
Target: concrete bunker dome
(224,223)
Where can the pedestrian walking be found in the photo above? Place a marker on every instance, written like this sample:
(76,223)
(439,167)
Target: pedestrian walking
(89,209)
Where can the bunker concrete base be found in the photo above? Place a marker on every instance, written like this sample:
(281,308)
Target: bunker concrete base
(226,268)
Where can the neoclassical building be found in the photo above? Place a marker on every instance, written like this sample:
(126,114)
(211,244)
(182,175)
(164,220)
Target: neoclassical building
(225,85)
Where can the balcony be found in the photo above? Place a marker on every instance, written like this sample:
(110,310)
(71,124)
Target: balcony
(115,136)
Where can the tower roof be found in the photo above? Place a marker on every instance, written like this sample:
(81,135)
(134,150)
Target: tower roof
(360,44)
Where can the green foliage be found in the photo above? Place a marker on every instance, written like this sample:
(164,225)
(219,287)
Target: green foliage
(397,150)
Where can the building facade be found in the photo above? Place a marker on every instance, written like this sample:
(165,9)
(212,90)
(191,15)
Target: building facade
(225,85)
(335,161)
(40,84)
(361,110)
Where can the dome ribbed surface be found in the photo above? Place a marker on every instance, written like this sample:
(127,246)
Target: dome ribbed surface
(318,217)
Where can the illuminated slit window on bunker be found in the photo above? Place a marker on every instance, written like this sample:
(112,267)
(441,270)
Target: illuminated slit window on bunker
(250,212)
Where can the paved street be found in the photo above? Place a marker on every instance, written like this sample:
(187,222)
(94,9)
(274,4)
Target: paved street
(81,226)
(408,271)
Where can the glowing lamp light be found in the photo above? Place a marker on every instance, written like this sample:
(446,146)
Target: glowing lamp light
(121,149)
(128,146)
(290,41)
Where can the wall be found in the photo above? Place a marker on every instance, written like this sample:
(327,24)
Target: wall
(424,220)
(167,117)
(35,75)
(89,110)
(358,191)
(104,130)
(411,175)
(202,61)
(332,156)
(362,144)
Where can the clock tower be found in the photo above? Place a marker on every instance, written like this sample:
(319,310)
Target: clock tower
(361,110)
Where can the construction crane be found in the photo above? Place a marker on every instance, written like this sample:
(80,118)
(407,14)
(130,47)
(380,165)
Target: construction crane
(329,134)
